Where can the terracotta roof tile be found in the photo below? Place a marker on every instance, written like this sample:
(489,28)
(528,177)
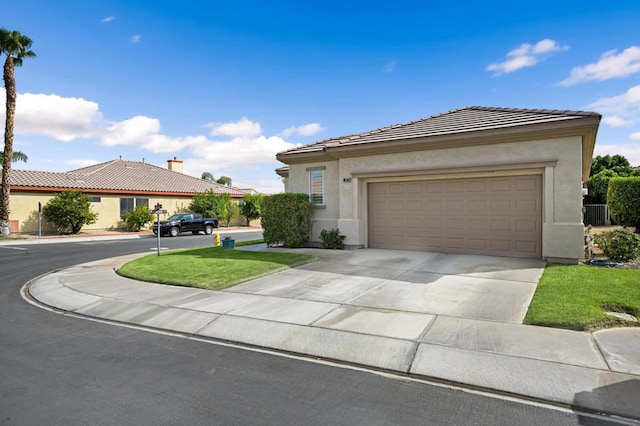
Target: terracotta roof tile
(120,175)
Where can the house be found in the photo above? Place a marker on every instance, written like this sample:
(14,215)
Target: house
(478,180)
(115,187)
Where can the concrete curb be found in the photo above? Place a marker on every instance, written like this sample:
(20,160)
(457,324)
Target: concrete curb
(305,327)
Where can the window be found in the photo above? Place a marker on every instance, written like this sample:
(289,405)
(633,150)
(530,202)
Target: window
(128,204)
(142,202)
(316,186)
(94,199)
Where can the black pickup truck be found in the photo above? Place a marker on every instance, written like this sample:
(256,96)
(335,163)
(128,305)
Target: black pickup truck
(186,222)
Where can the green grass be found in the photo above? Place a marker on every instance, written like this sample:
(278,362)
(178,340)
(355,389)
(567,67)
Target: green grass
(575,297)
(212,268)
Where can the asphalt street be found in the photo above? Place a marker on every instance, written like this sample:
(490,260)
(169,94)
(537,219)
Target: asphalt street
(57,369)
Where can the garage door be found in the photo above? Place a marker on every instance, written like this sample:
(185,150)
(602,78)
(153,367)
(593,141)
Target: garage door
(495,216)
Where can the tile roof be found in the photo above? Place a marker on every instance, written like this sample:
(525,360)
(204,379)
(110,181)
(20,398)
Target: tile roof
(120,175)
(459,121)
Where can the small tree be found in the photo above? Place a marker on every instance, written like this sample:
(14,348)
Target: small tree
(227,208)
(206,204)
(69,211)
(624,201)
(286,219)
(251,207)
(617,163)
(597,186)
(137,218)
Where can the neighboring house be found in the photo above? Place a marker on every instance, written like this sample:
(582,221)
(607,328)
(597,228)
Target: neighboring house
(494,181)
(115,187)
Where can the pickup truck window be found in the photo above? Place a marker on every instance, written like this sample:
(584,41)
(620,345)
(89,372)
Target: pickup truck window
(175,217)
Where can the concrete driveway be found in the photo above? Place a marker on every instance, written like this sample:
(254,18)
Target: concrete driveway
(369,281)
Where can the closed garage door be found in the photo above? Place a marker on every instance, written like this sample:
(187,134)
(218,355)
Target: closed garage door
(495,216)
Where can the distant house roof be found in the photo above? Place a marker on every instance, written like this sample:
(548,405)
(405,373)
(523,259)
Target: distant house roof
(119,176)
(443,130)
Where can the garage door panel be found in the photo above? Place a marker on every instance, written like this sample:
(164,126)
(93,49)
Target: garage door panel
(499,216)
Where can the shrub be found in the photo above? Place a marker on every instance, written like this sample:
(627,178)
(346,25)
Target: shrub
(597,186)
(331,239)
(69,211)
(251,207)
(206,204)
(621,244)
(137,218)
(286,219)
(623,198)
(209,204)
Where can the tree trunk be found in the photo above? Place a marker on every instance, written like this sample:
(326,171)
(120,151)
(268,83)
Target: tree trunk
(10,88)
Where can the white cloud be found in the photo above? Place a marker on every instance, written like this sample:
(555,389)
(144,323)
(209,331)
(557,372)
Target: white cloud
(615,121)
(145,132)
(244,128)
(526,55)
(136,38)
(303,130)
(108,19)
(631,151)
(635,136)
(81,163)
(230,153)
(610,65)
(132,131)
(389,67)
(625,106)
(234,148)
(61,118)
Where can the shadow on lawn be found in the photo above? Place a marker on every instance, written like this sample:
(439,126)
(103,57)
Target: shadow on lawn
(287,259)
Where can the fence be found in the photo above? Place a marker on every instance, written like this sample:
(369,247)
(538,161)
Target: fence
(596,215)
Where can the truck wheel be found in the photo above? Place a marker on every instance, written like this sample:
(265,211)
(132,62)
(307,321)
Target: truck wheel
(173,231)
(208,230)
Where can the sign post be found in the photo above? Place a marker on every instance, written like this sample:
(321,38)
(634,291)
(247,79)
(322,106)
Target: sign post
(157,210)
(39,219)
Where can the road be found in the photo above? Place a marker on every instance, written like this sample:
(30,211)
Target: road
(63,370)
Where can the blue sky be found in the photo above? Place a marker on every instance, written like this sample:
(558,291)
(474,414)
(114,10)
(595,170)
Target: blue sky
(225,85)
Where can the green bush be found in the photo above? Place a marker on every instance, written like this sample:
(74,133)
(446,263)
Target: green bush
(137,218)
(69,211)
(598,185)
(621,244)
(331,239)
(209,204)
(251,207)
(286,219)
(206,204)
(623,198)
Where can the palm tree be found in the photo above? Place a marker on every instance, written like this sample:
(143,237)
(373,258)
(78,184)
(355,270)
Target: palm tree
(17,156)
(16,46)
(224,180)
(207,176)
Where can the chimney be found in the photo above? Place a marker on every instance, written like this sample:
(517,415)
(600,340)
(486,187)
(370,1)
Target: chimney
(175,165)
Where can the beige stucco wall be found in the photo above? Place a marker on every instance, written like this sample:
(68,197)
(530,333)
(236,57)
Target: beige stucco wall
(24,208)
(346,202)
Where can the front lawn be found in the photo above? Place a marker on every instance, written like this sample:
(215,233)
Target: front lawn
(576,296)
(212,268)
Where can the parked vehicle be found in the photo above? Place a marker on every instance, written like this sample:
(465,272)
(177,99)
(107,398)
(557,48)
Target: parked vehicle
(186,222)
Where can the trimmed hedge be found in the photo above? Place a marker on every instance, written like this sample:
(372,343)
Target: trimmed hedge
(286,219)
(623,198)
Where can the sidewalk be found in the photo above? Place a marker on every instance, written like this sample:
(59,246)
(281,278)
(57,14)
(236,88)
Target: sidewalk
(100,235)
(597,372)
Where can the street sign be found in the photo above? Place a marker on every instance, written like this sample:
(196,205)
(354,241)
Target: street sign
(159,211)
